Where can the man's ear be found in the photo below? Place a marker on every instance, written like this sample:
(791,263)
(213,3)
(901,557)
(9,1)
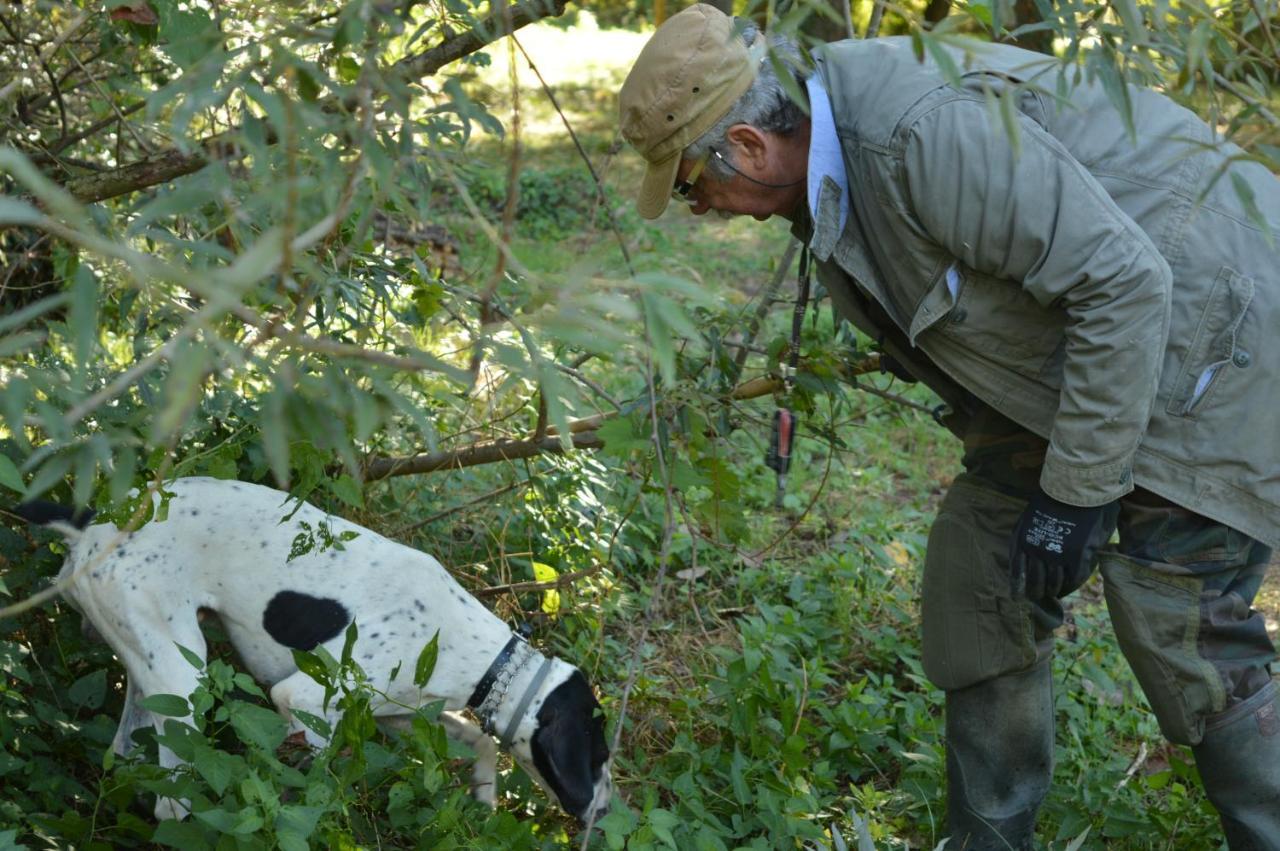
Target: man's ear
(750,148)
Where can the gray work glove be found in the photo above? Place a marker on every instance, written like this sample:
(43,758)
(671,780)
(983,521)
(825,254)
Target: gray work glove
(1054,546)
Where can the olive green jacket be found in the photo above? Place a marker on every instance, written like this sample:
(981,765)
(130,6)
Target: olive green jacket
(1101,298)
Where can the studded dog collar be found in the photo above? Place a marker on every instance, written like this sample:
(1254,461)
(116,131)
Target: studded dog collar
(500,662)
(491,691)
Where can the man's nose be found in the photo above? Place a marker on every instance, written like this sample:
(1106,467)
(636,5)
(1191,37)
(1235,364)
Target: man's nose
(699,208)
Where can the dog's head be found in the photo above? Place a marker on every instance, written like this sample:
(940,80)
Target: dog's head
(561,744)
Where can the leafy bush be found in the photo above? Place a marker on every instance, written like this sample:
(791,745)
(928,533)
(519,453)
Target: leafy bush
(553,202)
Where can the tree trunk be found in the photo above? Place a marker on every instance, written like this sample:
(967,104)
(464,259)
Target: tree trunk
(936,10)
(1024,13)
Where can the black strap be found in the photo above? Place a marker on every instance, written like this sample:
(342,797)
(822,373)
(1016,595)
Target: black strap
(486,682)
(797,319)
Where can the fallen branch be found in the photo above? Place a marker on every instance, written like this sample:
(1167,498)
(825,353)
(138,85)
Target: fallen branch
(488,452)
(582,433)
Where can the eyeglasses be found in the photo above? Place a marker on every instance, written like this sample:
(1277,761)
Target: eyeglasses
(680,192)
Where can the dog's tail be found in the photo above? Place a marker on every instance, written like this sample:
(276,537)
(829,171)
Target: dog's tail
(70,522)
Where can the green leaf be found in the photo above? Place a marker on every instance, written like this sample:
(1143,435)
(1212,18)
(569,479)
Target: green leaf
(1245,193)
(88,691)
(942,58)
(257,725)
(320,726)
(166,704)
(188,36)
(1132,19)
(622,436)
(22,341)
(347,489)
(187,370)
(218,768)
(15,212)
(32,311)
(248,685)
(349,642)
(348,69)
(427,661)
(295,824)
(225,821)
(9,475)
(312,665)
(275,433)
(662,822)
(180,834)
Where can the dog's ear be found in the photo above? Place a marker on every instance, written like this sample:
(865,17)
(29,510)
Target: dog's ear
(568,746)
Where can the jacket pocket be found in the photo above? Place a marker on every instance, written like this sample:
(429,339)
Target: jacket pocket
(996,319)
(1214,345)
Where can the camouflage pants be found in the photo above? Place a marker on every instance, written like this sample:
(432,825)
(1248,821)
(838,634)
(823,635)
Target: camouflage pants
(1179,588)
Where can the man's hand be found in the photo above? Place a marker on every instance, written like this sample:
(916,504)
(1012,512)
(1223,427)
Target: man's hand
(1054,546)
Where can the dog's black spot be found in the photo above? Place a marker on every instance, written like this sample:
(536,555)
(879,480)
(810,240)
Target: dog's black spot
(417,604)
(195,512)
(42,513)
(301,621)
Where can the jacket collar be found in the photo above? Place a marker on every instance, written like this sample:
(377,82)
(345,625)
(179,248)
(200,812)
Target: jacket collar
(828,180)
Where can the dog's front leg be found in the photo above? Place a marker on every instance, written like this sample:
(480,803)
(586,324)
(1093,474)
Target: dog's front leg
(484,772)
(154,665)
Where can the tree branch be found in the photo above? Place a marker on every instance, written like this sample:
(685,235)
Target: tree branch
(173,162)
(471,456)
(582,433)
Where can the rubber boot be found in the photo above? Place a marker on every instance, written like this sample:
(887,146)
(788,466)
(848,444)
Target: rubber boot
(1239,762)
(999,760)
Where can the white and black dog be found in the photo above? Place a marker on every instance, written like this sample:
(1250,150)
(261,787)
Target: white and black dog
(223,547)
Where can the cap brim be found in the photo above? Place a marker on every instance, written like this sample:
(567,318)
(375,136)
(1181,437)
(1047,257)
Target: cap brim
(655,189)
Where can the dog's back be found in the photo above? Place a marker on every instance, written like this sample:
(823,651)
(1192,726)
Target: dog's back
(279,579)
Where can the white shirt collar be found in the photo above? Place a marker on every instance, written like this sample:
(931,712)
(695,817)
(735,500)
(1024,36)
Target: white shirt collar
(825,157)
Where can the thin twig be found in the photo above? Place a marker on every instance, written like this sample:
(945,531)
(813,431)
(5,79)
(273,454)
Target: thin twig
(440,515)
(544,585)
(763,307)
(1138,762)
(595,178)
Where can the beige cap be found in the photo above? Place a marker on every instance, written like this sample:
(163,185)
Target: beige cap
(686,79)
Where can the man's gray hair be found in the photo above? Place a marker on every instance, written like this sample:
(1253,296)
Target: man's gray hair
(767,105)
